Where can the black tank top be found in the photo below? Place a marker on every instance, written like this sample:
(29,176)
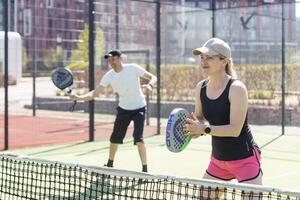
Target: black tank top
(217,112)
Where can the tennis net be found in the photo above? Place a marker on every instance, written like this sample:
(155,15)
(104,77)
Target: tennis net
(32,178)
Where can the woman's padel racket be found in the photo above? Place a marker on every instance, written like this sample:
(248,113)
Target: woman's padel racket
(62,78)
(176,140)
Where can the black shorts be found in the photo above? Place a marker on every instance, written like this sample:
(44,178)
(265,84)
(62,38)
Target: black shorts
(123,119)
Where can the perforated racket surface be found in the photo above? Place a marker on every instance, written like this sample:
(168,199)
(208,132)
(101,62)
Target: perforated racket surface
(176,140)
(62,78)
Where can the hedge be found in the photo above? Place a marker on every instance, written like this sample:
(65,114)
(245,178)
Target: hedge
(178,81)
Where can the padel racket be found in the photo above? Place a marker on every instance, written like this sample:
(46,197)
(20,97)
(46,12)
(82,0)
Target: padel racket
(176,140)
(62,78)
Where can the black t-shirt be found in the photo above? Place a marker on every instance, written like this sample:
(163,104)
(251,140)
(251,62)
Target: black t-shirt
(217,112)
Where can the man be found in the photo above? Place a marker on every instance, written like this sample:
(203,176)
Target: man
(125,80)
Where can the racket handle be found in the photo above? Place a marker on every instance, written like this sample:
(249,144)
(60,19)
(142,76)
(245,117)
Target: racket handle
(73,106)
(69,91)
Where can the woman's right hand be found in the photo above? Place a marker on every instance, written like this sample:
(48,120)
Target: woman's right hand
(193,126)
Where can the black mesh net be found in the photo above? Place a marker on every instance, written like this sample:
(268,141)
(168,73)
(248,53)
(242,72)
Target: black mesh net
(31,178)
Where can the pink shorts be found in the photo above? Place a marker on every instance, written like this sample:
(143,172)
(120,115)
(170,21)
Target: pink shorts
(243,170)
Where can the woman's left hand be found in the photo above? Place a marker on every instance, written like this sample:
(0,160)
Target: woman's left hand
(193,126)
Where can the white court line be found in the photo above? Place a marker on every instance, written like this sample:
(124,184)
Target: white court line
(282,175)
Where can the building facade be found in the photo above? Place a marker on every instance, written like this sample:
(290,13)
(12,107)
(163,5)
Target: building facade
(252,27)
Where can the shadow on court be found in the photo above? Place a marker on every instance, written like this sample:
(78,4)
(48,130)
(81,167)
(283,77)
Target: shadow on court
(28,131)
(280,157)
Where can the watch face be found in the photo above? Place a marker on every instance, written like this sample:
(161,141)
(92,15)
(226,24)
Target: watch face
(207,130)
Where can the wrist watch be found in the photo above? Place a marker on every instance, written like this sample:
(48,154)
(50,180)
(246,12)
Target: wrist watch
(150,85)
(207,129)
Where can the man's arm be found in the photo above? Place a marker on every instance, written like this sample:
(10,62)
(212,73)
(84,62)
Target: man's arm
(147,88)
(88,96)
(152,78)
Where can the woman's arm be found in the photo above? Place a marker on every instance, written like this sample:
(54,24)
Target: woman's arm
(238,110)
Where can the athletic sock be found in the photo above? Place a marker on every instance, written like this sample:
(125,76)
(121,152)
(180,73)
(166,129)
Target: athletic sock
(145,168)
(140,180)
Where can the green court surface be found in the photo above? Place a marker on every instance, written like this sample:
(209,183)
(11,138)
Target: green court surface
(280,159)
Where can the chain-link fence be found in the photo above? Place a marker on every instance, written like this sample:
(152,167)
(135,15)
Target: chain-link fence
(55,33)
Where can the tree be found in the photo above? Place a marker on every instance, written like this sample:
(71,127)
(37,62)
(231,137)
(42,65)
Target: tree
(80,56)
(54,58)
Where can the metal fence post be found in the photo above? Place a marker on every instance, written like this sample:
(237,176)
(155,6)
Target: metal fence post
(283,69)
(5,7)
(91,70)
(213,7)
(158,52)
(117,25)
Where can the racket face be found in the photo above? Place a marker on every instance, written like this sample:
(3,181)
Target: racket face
(176,140)
(62,78)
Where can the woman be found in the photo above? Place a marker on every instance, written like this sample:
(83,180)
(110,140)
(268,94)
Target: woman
(221,105)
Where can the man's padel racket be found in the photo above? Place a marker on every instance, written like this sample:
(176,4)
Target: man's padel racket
(176,140)
(62,78)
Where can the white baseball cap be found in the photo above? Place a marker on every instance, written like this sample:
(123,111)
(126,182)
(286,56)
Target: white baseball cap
(213,47)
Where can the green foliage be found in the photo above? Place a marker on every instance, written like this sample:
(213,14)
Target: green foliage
(290,52)
(81,54)
(178,81)
(54,58)
(78,65)
(182,66)
(261,95)
(268,77)
(24,57)
(99,46)
(260,77)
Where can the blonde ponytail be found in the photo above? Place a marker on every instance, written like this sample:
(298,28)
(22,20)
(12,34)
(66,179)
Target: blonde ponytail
(229,69)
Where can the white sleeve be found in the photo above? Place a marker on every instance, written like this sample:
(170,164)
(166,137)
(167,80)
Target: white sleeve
(139,70)
(105,80)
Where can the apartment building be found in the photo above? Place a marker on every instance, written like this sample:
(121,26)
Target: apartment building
(252,27)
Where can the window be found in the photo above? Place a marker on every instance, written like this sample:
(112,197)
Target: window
(134,6)
(49,3)
(134,19)
(11,15)
(27,22)
(268,1)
